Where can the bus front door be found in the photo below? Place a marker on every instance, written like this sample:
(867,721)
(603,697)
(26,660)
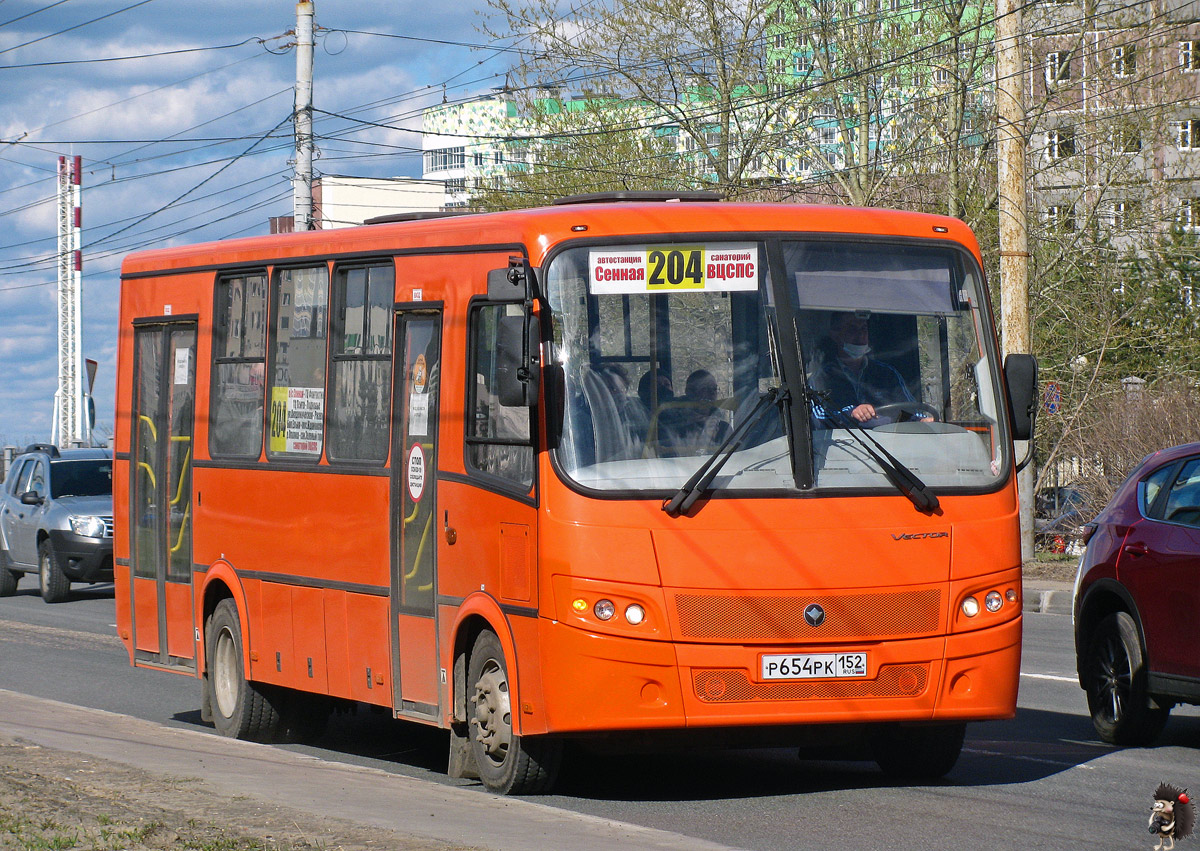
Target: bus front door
(161,493)
(414,527)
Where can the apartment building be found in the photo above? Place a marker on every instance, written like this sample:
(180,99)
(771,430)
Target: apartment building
(1114,101)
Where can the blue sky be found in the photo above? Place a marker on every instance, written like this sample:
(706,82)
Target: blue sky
(153,129)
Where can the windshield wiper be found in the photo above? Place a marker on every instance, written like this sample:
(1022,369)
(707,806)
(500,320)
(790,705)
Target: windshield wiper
(687,495)
(905,480)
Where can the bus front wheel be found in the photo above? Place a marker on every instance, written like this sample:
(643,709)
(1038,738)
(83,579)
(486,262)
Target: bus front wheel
(920,752)
(508,764)
(240,709)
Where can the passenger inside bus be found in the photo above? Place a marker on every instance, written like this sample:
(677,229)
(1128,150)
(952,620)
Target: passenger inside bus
(653,393)
(694,424)
(633,414)
(856,382)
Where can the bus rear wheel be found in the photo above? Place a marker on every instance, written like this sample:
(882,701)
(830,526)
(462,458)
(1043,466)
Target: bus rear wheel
(508,764)
(240,709)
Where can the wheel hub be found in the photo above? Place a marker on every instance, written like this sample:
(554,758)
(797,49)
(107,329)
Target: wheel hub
(1112,680)
(493,713)
(225,674)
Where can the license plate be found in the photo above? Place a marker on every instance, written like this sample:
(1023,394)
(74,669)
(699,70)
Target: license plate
(814,666)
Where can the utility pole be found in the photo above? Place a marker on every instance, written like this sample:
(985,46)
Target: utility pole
(1015,336)
(70,426)
(302,200)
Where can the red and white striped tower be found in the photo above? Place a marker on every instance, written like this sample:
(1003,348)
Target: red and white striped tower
(70,426)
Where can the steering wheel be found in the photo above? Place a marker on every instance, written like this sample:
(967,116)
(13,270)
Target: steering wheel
(917,408)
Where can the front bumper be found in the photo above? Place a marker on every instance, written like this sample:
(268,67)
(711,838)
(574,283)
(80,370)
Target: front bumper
(599,683)
(83,559)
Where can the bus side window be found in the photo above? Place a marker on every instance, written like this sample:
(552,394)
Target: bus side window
(360,380)
(297,394)
(239,366)
(498,437)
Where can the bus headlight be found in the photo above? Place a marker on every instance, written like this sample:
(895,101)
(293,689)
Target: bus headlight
(970,607)
(634,614)
(604,609)
(993,601)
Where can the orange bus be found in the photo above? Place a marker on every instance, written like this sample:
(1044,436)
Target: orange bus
(620,468)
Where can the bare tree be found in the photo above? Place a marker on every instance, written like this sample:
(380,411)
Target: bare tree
(835,98)
(694,68)
(1125,422)
(1114,271)
(578,146)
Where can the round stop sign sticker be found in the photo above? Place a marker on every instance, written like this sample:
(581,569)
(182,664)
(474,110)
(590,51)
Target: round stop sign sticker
(416,472)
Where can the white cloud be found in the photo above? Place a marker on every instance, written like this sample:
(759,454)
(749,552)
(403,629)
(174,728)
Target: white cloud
(125,181)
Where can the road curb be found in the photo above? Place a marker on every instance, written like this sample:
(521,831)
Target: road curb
(406,806)
(1054,601)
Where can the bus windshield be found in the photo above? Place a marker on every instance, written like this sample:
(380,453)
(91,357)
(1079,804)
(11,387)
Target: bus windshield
(661,350)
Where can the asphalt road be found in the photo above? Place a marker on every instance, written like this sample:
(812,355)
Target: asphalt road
(1042,780)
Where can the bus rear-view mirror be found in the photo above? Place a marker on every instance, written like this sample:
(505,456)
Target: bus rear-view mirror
(516,362)
(1020,377)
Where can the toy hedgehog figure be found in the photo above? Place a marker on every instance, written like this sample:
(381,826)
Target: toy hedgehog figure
(1172,817)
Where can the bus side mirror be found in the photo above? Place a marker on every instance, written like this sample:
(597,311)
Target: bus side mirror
(517,370)
(517,282)
(1020,379)
(503,288)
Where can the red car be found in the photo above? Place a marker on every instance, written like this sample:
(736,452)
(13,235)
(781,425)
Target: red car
(1137,599)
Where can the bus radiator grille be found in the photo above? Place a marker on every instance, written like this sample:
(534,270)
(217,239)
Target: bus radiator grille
(715,685)
(868,616)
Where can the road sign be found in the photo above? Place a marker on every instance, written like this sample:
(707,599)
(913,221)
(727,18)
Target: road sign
(1052,398)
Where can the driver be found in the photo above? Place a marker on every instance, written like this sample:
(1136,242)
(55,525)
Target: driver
(855,381)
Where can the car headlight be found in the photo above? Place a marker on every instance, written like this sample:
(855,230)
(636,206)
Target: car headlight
(88,526)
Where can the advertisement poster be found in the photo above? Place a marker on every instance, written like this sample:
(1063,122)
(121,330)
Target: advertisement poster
(297,414)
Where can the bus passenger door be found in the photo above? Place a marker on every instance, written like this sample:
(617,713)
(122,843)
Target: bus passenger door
(414,527)
(161,492)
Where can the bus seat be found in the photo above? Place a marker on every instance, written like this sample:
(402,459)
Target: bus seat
(611,435)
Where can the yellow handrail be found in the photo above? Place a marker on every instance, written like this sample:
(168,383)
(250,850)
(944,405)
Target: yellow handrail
(420,551)
(187,459)
(187,513)
(149,472)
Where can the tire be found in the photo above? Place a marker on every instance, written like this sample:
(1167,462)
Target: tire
(508,764)
(8,578)
(8,581)
(240,709)
(1114,676)
(919,752)
(54,584)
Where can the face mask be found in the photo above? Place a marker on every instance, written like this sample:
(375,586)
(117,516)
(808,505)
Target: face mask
(856,351)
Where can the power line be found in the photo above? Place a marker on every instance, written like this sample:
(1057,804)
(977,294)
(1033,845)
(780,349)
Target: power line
(473,46)
(103,59)
(75,27)
(197,186)
(31,14)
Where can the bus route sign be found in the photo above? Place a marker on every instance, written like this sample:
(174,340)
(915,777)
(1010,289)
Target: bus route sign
(721,267)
